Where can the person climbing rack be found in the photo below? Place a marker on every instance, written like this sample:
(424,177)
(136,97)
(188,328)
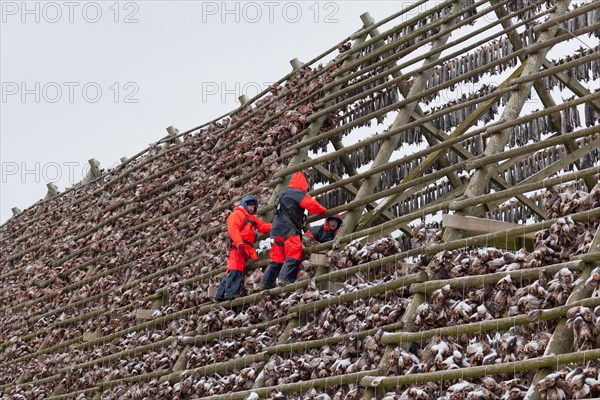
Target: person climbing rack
(286,232)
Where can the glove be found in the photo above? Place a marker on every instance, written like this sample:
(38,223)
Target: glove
(241,248)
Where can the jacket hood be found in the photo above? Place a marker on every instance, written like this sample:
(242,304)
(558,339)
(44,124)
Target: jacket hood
(248,199)
(298,181)
(336,217)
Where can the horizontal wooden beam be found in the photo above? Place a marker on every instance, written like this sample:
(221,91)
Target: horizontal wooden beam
(144,314)
(297,387)
(484,370)
(480,225)
(498,324)
(464,282)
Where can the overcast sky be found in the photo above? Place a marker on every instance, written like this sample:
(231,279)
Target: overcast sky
(104,79)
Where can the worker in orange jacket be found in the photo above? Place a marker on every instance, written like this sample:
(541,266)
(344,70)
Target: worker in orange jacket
(242,227)
(286,232)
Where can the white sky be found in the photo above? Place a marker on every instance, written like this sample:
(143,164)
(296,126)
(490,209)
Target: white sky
(173,59)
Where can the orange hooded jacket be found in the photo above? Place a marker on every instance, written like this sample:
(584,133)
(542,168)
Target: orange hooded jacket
(242,228)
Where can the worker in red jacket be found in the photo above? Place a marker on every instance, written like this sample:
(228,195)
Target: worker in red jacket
(242,227)
(286,232)
(327,231)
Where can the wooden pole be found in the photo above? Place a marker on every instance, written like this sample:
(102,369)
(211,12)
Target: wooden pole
(484,370)
(297,387)
(498,324)
(489,279)
(497,142)
(389,145)
(534,47)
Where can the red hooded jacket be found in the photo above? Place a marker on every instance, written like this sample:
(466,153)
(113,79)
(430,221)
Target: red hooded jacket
(291,203)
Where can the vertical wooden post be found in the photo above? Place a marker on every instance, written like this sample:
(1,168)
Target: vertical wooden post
(94,171)
(172,131)
(52,191)
(296,63)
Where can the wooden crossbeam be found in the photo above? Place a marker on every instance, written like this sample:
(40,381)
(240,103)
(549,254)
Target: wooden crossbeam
(544,95)
(554,168)
(514,105)
(315,125)
(477,226)
(463,127)
(595,246)
(350,189)
(388,146)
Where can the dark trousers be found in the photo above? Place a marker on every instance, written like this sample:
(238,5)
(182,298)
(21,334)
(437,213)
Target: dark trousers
(286,271)
(230,285)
